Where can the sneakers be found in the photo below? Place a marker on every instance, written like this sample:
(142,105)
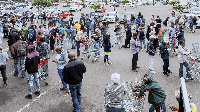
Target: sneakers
(152,72)
(165,75)
(169,72)
(189,78)
(29,96)
(37,93)
(63,88)
(5,85)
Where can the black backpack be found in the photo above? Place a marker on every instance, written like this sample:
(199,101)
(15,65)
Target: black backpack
(21,49)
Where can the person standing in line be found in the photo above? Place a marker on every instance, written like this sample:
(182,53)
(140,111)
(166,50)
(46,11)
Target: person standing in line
(165,56)
(156,95)
(61,59)
(107,48)
(3,59)
(73,75)
(73,31)
(165,23)
(142,39)
(182,52)
(31,66)
(134,46)
(18,52)
(151,51)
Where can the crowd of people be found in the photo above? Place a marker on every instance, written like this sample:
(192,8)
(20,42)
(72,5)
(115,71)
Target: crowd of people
(31,43)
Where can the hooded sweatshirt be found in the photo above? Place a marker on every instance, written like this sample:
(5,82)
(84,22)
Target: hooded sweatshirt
(62,59)
(156,93)
(31,63)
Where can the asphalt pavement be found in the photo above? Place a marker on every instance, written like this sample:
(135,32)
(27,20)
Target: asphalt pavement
(12,97)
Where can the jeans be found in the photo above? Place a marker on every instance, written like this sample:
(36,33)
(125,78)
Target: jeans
(187,70)
(154,106)
(68,32)
(97,46)
(78,47)
(73,42)
(193,28)
(3,72)
(20,59)
(134,61)
(75,91)
(61,77)
(166,66)
(151,60)
(106,58)
(36,77)
(142,41)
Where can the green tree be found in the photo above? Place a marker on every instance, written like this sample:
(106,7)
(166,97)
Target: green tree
(179,7)
(125,1)
(95,6)
(174,2)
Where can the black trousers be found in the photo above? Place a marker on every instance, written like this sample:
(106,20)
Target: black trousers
(5,32)
(112,109)
(78,47)
(127,40)
(3,72)
(134,61)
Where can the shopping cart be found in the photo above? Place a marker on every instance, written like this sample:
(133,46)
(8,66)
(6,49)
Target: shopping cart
(41,72)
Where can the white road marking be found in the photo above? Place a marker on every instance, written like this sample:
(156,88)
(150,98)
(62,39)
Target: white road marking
(34,100)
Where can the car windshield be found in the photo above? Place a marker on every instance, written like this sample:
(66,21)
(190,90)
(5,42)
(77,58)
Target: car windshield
(195,9)
(111,14)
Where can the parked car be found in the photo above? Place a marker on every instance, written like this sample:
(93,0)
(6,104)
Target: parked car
(128,5)
(126,16)
(101,10)
(194,10)
(114,5)
(76,8)
(111,16)
(187,10)
(66,5)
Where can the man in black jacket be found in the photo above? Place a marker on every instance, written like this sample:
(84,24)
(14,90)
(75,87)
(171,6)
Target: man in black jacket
(31,66)
(73,75)
(165,56)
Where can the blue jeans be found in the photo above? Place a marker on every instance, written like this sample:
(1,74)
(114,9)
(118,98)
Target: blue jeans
(61,77)
(68,32)
(106,58)
(73,42)
(142,41)
(187,70)
(36,77)
(97,46)
(161,104)
(166,66)
(75,91)
(22,64)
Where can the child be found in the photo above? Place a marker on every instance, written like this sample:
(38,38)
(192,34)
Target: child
(107,48)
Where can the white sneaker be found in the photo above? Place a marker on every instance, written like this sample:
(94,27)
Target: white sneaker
(153,72)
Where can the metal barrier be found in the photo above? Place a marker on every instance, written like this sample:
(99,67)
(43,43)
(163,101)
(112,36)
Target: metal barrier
(184,104)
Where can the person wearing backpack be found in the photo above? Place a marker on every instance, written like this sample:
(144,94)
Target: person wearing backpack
(18,52)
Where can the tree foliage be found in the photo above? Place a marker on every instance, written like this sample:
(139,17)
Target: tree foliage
(43,3)
(125,1)
(174,2)
(179,7)
(95,6)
